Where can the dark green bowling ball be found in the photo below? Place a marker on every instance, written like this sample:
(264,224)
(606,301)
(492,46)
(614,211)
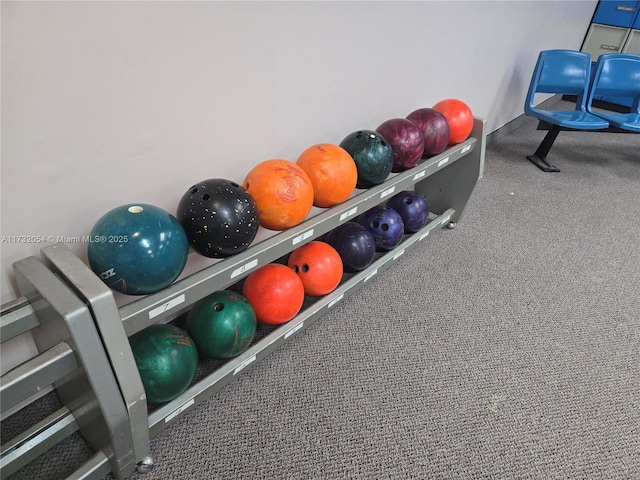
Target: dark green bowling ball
(372,154)
(222,324)
(166,358)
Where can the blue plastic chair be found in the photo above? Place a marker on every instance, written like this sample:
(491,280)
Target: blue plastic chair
(565,72)
(617,75)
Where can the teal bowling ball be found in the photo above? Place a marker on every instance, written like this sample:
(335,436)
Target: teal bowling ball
(166,358)
(372,154)
(138,249)
(222,324)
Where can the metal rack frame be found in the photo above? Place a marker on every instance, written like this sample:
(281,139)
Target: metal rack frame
(83,335)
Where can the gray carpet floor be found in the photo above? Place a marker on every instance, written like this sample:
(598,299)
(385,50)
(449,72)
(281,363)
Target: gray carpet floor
(506,348)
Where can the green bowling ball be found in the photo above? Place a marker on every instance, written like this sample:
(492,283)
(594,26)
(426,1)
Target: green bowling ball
(222,325)
(166,358)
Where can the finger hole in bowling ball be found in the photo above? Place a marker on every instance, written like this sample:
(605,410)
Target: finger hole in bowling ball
(296,269)
(218,307)
(408,201)
(384,227)
(235,184)
(206,197)
(375,224)
(305,268)
(193,190)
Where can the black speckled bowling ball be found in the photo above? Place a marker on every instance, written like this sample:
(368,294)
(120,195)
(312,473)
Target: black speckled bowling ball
(219,217)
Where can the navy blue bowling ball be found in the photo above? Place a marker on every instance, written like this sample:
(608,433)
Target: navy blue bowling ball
(219,216)
(137,249)
(372,154)
(355,245)
(412,207)
(386,226)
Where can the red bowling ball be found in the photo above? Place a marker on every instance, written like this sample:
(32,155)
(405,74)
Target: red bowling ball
(459,117)
(319,266)
(275,292)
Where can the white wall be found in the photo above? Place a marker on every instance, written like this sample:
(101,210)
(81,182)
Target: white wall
(105,103)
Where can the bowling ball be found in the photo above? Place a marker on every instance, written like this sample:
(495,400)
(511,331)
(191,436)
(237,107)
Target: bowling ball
(222,324)
(355,245)
(407,142)
(283,193)
(459,117)
(413,209)
(137,249)
(318,265)
(166,358)
(435,130)
(275,292)
(385,224)
(372,154)
(332,171)
(219,217)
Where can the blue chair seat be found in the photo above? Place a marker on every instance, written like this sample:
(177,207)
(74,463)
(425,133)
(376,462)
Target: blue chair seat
(572,119)
(625,121)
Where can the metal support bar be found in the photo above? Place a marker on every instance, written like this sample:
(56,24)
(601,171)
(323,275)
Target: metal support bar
(17,318)
(91,393)
(116,343)
(30,377)
(36,440)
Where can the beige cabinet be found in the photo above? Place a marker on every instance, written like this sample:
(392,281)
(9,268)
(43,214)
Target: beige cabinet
(603,39)
(632,45)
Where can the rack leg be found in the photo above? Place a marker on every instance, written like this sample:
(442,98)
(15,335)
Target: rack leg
(452,187)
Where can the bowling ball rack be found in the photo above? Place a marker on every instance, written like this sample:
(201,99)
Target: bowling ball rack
(84,386)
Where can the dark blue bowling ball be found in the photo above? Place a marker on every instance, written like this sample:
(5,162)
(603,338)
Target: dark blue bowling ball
(372,154)
(355,245)
(138,249)
(386,226)
(412,207)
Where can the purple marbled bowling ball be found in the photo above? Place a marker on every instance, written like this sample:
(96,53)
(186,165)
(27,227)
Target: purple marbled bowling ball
(355,245)
(412,207)
(407,142)
(386,226)
(434,128)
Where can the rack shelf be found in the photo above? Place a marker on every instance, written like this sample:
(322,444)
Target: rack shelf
(446,180)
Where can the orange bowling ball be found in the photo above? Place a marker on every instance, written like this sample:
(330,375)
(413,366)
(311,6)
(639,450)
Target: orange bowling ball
(332,171)
(283,193)
(319,266)
(459,117)
(275,292)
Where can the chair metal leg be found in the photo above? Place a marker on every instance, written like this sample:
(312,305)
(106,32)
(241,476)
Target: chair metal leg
(539,159)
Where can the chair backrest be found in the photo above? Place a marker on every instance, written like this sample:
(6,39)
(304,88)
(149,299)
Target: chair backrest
(561,71)
(617,75)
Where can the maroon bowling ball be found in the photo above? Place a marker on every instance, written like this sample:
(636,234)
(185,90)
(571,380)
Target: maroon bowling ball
(407,142)
(355,245)
(434,128)
(386,226)
(412,207)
